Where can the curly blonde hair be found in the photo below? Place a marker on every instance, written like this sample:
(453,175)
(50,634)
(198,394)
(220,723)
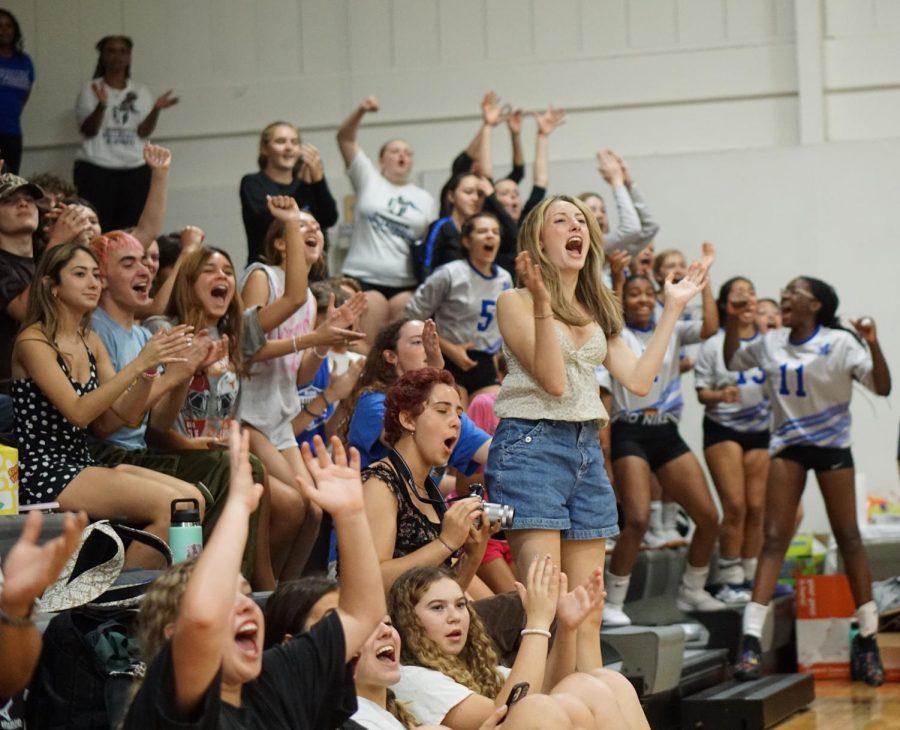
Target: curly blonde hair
(159,608)
(476,665)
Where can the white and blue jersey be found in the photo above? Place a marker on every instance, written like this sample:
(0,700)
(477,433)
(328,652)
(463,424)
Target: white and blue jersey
(809,384)
(752,413)
(463,303)
(664,403)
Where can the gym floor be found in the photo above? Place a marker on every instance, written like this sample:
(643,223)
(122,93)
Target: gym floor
(849,706)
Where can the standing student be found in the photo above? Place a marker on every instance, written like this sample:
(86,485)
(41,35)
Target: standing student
(545,459)
(115,116)
(16,80)
(286,167)
(645,441)
(810,368)
(736,445)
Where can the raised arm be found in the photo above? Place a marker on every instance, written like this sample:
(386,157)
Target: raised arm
(191,238)
(552,118)
(514,124)
(146,127)
(491,115)
(322,203)
(881,375)
(346,134)
(207,607)
(710,308)
(337,489)
(649,226)
(637,373)
(528,328)
(153,215)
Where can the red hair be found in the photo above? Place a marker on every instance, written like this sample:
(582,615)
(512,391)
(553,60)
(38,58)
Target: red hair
(408,395)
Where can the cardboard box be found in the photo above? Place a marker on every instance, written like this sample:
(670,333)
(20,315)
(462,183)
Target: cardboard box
(889,646)
(825,609)
(9,480)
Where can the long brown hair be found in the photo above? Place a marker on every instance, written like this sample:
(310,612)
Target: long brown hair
(186,308)
(590,291)
(43,306)
(476,665)
(264,138)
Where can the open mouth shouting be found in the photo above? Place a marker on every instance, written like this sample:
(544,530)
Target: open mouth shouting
(247,639)
(386,654)
(575,244)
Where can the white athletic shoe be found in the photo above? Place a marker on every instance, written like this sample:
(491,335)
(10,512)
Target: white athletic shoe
(734,594)
(655,540)
(694,599)
(614,616)
(674,538)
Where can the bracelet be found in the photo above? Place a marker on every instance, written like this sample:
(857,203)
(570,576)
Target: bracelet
(16,622)
(539,632)
(294,342)
(306,410)
(543,316)
(444,543)
(316,353)
(150,374)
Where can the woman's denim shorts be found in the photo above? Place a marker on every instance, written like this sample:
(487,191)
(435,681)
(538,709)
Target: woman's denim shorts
(552,473)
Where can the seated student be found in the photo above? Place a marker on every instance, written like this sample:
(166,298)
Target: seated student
(450,674)
(126,285)
(461,297)
(410,524)
(28,569)
(63,381)
(400,347)
(202,634)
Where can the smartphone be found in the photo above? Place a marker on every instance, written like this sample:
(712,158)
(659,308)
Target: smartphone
(517,693)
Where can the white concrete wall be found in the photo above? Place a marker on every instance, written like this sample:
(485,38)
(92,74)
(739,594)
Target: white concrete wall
(768,126)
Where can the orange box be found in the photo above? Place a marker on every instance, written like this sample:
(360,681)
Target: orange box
(825,610)
(889,646)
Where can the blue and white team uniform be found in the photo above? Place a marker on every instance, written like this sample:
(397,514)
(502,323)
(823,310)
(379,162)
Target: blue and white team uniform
(745,422)
(647,426)
(463,303)
(809,385)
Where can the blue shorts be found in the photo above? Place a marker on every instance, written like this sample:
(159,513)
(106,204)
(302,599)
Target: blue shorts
(552,473)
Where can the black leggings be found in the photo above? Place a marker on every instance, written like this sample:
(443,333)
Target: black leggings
(118,195)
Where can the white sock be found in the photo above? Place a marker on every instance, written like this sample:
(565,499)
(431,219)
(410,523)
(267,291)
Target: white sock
(656,522)
(749,568)
(670,515)
(867,616)
(616,587)
(754,619)
(694,578)
(730,570)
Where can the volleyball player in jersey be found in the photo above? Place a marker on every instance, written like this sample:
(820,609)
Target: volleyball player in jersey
(736,445)
(810,367)
(645,440)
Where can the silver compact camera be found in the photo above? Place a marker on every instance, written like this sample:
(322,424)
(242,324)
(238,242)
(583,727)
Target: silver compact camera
(503,514)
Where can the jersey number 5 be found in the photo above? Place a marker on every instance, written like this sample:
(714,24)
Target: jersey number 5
(487,314)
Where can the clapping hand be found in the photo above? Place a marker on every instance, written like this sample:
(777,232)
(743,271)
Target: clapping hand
(530,277)
(552,118)
(432,344)
(678,295)
(166,100)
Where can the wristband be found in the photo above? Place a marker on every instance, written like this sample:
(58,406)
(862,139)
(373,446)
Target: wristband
(305,409)
(443,542)
(15,622)
(294,342)
(538,632)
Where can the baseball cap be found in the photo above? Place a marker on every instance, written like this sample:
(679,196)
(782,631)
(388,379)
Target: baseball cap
(10,183)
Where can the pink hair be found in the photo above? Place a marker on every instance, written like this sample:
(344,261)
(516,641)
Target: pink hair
(113,241)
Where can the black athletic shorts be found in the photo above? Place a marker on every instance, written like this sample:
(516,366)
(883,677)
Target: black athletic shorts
(657,444)
(817,458)
(715,433)
(388,292)
(484,373)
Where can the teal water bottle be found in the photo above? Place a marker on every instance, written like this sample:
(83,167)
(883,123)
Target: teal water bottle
(185,532)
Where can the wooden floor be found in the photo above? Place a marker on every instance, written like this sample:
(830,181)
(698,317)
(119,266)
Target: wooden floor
(849,706)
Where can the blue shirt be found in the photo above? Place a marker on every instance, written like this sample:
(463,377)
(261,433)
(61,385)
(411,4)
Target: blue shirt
(123,346)
(307,393)
(367,425)
(16,79)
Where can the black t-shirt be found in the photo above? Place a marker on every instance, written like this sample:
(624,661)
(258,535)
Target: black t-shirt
(313,197)
(304,685)
(16,275)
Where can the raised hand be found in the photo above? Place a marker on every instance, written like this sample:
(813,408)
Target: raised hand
(336,487)
(190,237)
(369,104)
(514,121)
(626,173)
(865,327)
(609,167)
(166,347)
(709,254)
(618,262)
(530,277)
(349,312)
(313,169)
(29,568)
(491,109)
(552,118)
(283,207)
(156,157)
(574,606)
(434,358)
(241,487)
(100,92)
(540,594)
(341,386)
(166,100)
(678,295)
